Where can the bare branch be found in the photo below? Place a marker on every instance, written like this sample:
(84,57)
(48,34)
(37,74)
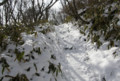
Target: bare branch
(3,2)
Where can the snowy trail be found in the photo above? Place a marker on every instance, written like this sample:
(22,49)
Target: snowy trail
(74,58)
(80,59)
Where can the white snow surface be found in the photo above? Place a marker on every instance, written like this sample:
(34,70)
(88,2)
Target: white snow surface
(80,60)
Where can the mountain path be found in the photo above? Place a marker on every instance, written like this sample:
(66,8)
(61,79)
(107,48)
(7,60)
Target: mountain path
(74,54)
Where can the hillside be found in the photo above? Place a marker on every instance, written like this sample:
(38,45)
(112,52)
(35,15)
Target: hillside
(60,40)
(62,54)
(82,61)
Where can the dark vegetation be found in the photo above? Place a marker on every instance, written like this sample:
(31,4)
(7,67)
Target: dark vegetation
(101,14)
(96,19)
(16,17)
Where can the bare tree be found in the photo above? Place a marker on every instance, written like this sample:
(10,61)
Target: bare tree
(25,11)
(36,12)
(72,9)
(3,2)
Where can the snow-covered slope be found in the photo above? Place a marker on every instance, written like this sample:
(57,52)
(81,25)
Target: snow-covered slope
(36,59)
(43,54)
(81,61)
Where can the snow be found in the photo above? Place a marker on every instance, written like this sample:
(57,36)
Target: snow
(79,58)
(118,23)
(32,60)
(81,61)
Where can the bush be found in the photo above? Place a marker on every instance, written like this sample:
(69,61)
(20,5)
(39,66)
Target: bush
(103,22)
(68,19)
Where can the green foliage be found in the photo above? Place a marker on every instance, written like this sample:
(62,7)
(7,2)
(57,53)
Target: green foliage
(37,50)
(82,32)
(113,34)
(12,33)
(43,21)
(6,33)
(36,34)
(5,65)
(95,39)
(54,69)
(35,67)
(47,30)
(115,54)
(111,44)
(19,55)
(1,79)
(19,77)
(59,69)
(3,39)
(98,43)
(15,34)
(104,24)
(85,28)
(68,19)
